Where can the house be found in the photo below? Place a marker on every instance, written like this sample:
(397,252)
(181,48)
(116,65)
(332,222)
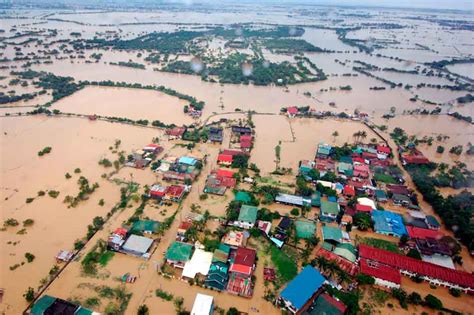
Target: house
(414,157)
(326,305)
(225,159)
(233,152)
(216,134)
(293,200)
(398,189)
(416,232)
(203,305)
(264,226)
(433,246)
(145,227)
(329,210)
(331,234)
(182,229)
(217,184)
(240,272)
(217,276)
(346,219)
(175,133)
(343,263)
(366,202)
(401,200)
(117,239)
(138,246)
(432,222)
(178,254)
(247,217)
(284,225)
(241,130)
(157,191)
(300,292)
(362,208)
(380,195)
(349,191)
(305,229)
(388,223)
(153,148)
(199,264)
(434,274)
(361,170)
(175,192)
(243,196)
(323,151)
(306,166)
(384,150)
(292,111)
(245,142)
(345,169)
(187,160)
(347,251)
(50,305)
(235,238)
(225,173)
(385,276)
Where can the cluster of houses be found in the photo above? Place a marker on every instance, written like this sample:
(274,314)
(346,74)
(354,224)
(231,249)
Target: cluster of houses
(142,158)
(51,305)
(306,111)
(243,137)
(182,169)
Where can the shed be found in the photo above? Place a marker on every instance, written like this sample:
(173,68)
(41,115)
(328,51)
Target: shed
(203,305)
(137,245)
(179,253)
(243,197)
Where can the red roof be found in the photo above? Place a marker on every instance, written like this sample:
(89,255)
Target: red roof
(233,152)
(225,173)
(398,189)
(339,305)
(369,155)
(225,158)
(292,110)
(416,232)
(176,131)
(417,266)
(415,159)
(120,231)
(240,269)
(349,190)
(383,149)
(380,271)
(246,138)
(363,208)
(245,144)
(245,256)
(343,263)
(175,191)
(358,160)
(185,225)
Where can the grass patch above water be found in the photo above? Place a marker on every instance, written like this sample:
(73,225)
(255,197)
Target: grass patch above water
(105,257)
(379,243)
(285,266)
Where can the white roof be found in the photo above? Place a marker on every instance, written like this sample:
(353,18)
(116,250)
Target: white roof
(202,304)
(138,244)
(417,214)
(440,260)
(199,263)
(325,183)
(366,202)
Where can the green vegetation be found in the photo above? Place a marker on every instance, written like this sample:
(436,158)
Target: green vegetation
(363,221)
(10,222)
(53,193)
(384,178)
(433,302)
(285,266)
(97,255)
(29,257)
(379,243)
(28,222)
(46,150)
(128,64)
(84,191)
(287,45)
(105,162)
(29,295)
(365,279)
(164,295)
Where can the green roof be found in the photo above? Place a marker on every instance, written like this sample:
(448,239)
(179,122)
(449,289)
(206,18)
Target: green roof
(327,246)
(380,194)
(179,251)
(332,233)
(42,304)
(248,214)
(83,311)
(305,229)
(324,149)
(346,251)
(145,226)
(242,196)
(346,159)
(323,306)
(329,207)
(344,167)
(316,199)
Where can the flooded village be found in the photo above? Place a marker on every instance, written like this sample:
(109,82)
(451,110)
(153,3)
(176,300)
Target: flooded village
(197,158)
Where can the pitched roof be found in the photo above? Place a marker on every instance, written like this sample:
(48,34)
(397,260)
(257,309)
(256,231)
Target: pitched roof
(380,271)
(329,207)
(388,222)
(305,229)
(349,190)
(303,286)
(346,251)
(248,214)
(292,110)
(179,251)
(243,196)
(344,264)
(225,173)
(363,208)
(416,232)
(245,256)
(414,265)
(383,149)
(332,233)
(327,305)
(225,158)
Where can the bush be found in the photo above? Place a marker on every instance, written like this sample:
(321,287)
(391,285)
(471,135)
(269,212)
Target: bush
(77,170)
(295,212)
(433,302)
(365,279)
(415,298)
(67,176)
(10,222)
(413,253)
(41,193)
(440,149)
(29,200)
(455,292)
(164,295)
(28,222)
(29,295)
(29,257)
(143,310)
(53,193)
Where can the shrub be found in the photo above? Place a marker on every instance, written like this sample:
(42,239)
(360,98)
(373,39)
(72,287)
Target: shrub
(77,170)
(295,211)
(440,149)
(41,193)
(29,295)
(53,193)
(433,302)
(29,200)
(28,222)
(29,257)
(365,279)
(164,295)
(10,222)
(67,176)
(101,202)
(143,310)
(455,292)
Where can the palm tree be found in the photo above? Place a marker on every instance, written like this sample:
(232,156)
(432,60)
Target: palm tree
(343,276)
(321,262)
(363,135)
(335,134)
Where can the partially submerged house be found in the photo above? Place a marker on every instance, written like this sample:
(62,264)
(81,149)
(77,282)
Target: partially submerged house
(388,223)
(247,217)
(323,151)
(241,271)
(329,210)
(175,133)
(48,305)
(199,263)
(216,134)
(203,305)
(178,254)
(300,292)
(138,246)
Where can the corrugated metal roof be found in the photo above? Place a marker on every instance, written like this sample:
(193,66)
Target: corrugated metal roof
(303,286)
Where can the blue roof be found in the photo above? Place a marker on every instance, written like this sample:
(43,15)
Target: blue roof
(387,222)
(303,286)
(187,160)
(332,198)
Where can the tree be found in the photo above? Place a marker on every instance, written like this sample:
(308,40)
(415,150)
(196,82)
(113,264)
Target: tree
(440,149)
(335,134)
(143,310)
(404,239)
(363,221)
(365,279)
(295,212)
(413,253)
(415,298)
(232,311)
(240,161)
(29,295)
(433,302)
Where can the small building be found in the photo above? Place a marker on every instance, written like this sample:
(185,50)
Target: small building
(305,229)
(175,192)
(47,305)
(401,200)
(329,210)
(145,227)
(432,222)
(183,227)
(300,292)
(345,169)
(384,150)
(416,232)
(398,189)
(347,251)
(240,272)
(203,305)
(225,159)
(323,151)
(388,223)
(331,234)
(384,275)
(247,217)
(175,133)
(178,254)
(235,238)
(137,246)
(241,130)
(362,208)
(326,305)
(157,191)
(361,170)
(293,200)
(200,263)
(187,160)
(349,191)
(216,134)
(380,195)
(225,173)
(217,277)
(292,111)
(366,202)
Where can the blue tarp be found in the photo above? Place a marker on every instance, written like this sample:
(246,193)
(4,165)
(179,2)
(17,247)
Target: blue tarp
(386,222)
(303,286)
(187,160)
